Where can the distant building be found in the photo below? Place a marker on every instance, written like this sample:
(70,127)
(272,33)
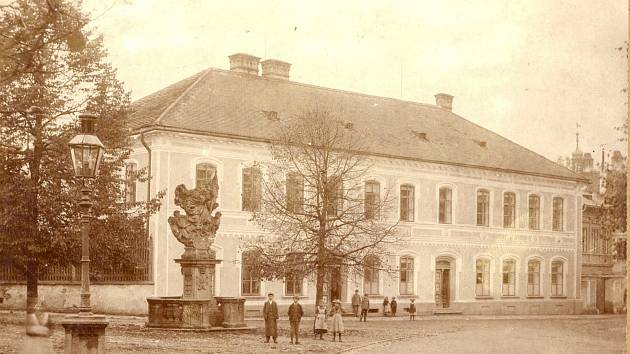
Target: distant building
(603,284)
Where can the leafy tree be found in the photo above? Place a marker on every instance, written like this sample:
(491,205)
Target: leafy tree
(51,68)
(314,207)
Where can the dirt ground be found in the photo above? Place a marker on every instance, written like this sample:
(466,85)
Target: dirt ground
(451,334)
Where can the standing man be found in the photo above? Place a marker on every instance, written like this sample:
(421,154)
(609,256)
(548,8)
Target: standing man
(295,315)
(365,306)
(356,302)
(270,314)
(393,305)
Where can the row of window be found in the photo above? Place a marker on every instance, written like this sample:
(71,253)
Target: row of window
(295,197)
(252,194)
(508,280)
(371,278)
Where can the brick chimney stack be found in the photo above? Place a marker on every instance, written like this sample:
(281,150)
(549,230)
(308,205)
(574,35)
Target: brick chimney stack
(244,63)
(275,69)
(444,100)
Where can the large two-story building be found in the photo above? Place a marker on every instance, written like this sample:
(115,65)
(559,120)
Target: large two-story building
(489,226)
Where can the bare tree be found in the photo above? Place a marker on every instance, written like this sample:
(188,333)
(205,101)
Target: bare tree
(317,203)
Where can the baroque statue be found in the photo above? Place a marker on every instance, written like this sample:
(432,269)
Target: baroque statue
(197,228)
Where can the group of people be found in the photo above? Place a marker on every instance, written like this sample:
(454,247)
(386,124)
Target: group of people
(320,325)
(389,307)
(322,316)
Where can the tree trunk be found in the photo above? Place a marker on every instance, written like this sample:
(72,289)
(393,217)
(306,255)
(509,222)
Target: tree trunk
(32,275)
(320,284)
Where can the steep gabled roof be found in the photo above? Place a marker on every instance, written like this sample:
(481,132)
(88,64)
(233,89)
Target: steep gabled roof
(229,103)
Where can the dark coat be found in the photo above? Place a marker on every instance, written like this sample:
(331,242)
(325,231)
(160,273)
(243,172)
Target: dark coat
(356,300)
(270,314)
(393,305)
(412,308)
(295,313)
(365,303)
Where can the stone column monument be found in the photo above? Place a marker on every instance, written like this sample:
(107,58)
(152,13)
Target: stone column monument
(197,307)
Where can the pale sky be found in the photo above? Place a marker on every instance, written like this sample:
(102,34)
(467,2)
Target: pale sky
(528,70)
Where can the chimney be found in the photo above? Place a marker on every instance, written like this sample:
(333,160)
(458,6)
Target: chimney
(244,63)
(444,100)
(275,69)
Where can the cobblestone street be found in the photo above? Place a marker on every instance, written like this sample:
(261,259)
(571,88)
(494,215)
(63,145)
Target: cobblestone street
(456,334)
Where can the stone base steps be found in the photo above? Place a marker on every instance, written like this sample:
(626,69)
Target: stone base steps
(446,311)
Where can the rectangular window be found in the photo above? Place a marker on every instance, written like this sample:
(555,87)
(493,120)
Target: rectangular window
(371,277)
(252,194)
(334,196)
(509,210)
(250,286)
(205,172)
(557,214)
(533,278)
(446,206)
(509,278)
(406,276)
(557,279)
(293,285)
(406,203)
(483,208)
(130,184)
(295,193)
(372,199)
(534,212)
(482,284)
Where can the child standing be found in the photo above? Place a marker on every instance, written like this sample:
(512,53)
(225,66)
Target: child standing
(393,305)
(320,326)
(412,311)
(295,315)
(385,306)
(337,320)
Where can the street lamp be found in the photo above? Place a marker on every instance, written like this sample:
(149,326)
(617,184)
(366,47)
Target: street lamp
(85,332)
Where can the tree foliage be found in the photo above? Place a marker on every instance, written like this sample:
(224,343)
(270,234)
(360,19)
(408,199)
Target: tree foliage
(314,208)
(50,59)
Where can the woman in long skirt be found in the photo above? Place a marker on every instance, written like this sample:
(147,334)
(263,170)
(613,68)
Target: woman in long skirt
(385,306)
(320,327)
(336,323)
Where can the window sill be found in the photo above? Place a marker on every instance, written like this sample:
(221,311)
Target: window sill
(292,296)
(558,297)
(410,296)
(484,297)
(254,297)
(510,297)
(535,297)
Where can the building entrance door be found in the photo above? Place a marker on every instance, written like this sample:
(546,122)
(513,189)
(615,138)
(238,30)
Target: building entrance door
(335,284)
(442,283)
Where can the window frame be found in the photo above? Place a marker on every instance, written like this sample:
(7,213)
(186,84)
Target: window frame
(205,179)
(251,188)
(554,275)
(534,289)
(512,211)
(535,216)
(483,214)
(486,287)
(445,204)
(511,285)
(371,267)
(251,281)
(294,193)
(408,201)
(371,206)
(409,272)
(131,183)
(557,214)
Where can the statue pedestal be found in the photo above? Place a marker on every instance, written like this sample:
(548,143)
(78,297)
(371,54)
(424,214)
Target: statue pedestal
(233,310)
(84,334)
(196,308)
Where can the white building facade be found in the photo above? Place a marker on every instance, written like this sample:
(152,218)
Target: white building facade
(488,226)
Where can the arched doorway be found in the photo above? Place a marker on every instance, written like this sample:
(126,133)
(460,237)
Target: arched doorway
(444,281)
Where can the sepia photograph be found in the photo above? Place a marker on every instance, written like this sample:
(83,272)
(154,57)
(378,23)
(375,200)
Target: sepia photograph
(203,176)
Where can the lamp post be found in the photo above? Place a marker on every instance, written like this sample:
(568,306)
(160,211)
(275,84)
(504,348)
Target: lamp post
(85,332)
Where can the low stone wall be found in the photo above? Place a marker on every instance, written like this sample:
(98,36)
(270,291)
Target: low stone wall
(115,299)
